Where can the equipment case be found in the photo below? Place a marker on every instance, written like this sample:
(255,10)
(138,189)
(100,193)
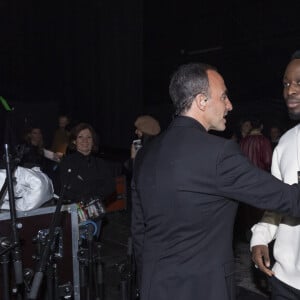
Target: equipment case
(29,223)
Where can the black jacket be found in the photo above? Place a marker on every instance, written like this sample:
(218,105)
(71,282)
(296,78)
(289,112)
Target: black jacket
(185,189)
(85,177)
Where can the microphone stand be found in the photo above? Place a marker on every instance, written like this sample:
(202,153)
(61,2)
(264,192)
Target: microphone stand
(4,261)
(46,251)
(16,253)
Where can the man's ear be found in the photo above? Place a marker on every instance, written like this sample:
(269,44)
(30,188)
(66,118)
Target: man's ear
(201,101)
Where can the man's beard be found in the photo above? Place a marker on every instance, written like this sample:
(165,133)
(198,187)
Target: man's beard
(294,115)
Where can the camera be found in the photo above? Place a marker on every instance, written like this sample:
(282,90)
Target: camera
(137,144)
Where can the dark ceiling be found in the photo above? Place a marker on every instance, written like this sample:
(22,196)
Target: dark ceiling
(118,55)
(249,41)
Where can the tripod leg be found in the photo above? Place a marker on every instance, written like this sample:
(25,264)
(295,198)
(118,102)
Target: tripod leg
(124,288)
(55,282)
(129,285)
(49,282)
(5,274)
(98,275)
(83,281)
(91,266)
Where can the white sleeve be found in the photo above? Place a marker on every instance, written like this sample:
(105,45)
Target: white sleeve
(275,170)
(263,234)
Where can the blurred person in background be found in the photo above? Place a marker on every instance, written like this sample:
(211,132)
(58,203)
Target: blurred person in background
(61,135)
(146,128)
(34,152)
(275,133)
(243,130)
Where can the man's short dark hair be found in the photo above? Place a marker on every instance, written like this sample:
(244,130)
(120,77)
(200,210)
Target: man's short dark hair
(186,83)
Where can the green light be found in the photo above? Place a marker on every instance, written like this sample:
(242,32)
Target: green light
(5,104)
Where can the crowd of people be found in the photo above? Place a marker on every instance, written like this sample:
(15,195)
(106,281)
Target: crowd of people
(190,191)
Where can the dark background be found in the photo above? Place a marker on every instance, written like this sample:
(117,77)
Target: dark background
(106,62)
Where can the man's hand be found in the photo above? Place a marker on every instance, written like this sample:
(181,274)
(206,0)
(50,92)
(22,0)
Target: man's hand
(261,258)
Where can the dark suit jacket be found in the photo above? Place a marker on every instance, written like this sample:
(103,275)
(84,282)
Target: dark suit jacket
(186,184)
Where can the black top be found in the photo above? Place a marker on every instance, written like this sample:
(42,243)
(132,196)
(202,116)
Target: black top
(85,177)
(31,156)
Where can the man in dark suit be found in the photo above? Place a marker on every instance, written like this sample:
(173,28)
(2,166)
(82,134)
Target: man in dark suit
(186,187)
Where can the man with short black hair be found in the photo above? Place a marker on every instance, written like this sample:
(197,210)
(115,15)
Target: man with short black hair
(186,185)
(285,274)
